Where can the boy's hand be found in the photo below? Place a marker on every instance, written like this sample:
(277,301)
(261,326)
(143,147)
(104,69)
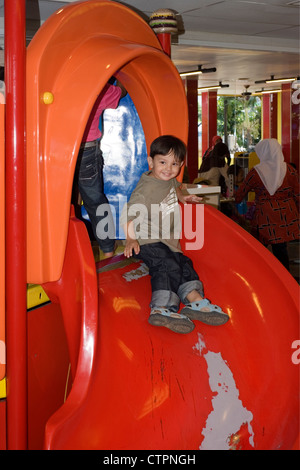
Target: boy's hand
(130,247)
(184,198)
(191,198)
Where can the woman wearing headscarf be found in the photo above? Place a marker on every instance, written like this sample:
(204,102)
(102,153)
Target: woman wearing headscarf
(215,140)
(276,187)
(214,168)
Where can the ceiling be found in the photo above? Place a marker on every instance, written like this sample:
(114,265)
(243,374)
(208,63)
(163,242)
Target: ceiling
(246,40)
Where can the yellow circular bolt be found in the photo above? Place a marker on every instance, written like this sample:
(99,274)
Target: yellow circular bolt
(48,97)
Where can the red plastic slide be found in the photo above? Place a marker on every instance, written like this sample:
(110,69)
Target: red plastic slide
(229,387)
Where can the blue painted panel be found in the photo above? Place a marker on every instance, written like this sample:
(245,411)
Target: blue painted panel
(125,154)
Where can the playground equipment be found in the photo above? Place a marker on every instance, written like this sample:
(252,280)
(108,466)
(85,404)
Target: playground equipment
(131,385)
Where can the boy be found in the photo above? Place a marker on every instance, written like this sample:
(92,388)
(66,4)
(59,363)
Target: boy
(173,279)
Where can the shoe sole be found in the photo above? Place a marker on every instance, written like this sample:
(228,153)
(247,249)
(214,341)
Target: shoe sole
(177,325)
(209,318)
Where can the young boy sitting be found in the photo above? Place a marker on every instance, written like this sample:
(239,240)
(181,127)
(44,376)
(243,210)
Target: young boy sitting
(152,228)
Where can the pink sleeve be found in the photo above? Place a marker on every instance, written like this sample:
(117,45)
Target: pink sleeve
(108,98)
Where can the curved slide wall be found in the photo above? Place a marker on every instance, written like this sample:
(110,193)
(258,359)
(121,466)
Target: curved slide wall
(72,57)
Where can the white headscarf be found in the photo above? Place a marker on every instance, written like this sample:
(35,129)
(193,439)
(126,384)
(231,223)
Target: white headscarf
(272,167)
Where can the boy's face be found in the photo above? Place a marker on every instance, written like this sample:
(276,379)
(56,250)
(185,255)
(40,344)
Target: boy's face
(164,167)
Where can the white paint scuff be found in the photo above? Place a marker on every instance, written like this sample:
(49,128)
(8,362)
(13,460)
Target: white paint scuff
(228,414)
(135,274)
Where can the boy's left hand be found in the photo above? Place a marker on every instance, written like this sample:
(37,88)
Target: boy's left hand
(131,247)
(191,198)
(184,198)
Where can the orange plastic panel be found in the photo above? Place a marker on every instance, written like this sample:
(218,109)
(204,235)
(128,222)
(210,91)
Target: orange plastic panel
(76,293)
(70,59)
(228,387)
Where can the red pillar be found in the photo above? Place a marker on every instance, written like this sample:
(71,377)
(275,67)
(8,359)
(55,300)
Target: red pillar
(269,116)
(165,41)
(274,117)
(266,128)
(209,118)
(15,225)
(192,147)
(286,113)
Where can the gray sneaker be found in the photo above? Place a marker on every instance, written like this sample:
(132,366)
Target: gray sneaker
(205,312)
(174,321)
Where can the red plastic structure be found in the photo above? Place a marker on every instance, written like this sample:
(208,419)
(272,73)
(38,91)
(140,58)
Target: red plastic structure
(229,387)
(131,385)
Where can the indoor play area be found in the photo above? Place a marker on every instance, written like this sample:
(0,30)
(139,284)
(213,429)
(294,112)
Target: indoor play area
(98,376)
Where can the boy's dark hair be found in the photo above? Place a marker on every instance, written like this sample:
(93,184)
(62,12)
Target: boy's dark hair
(165,144)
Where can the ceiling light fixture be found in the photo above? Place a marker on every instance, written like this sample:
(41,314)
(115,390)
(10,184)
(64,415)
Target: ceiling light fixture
(199,71)
(276,80)
(189,74)
(213,87)
(265,92)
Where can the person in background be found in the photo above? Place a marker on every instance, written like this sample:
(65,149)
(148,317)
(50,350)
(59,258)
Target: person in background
(89,171)
(214,167)
(239,213)
(215,140)
(276,187)
(237,173)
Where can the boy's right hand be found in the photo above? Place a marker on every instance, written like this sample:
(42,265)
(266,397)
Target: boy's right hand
(130,247)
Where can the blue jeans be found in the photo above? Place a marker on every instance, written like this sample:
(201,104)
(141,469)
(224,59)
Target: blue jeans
(172,275)
(90,185)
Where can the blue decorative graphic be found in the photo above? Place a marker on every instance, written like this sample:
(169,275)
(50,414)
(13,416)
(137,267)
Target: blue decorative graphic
(125,155)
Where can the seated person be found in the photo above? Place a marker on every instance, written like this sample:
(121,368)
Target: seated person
(215,140)
(214,167)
